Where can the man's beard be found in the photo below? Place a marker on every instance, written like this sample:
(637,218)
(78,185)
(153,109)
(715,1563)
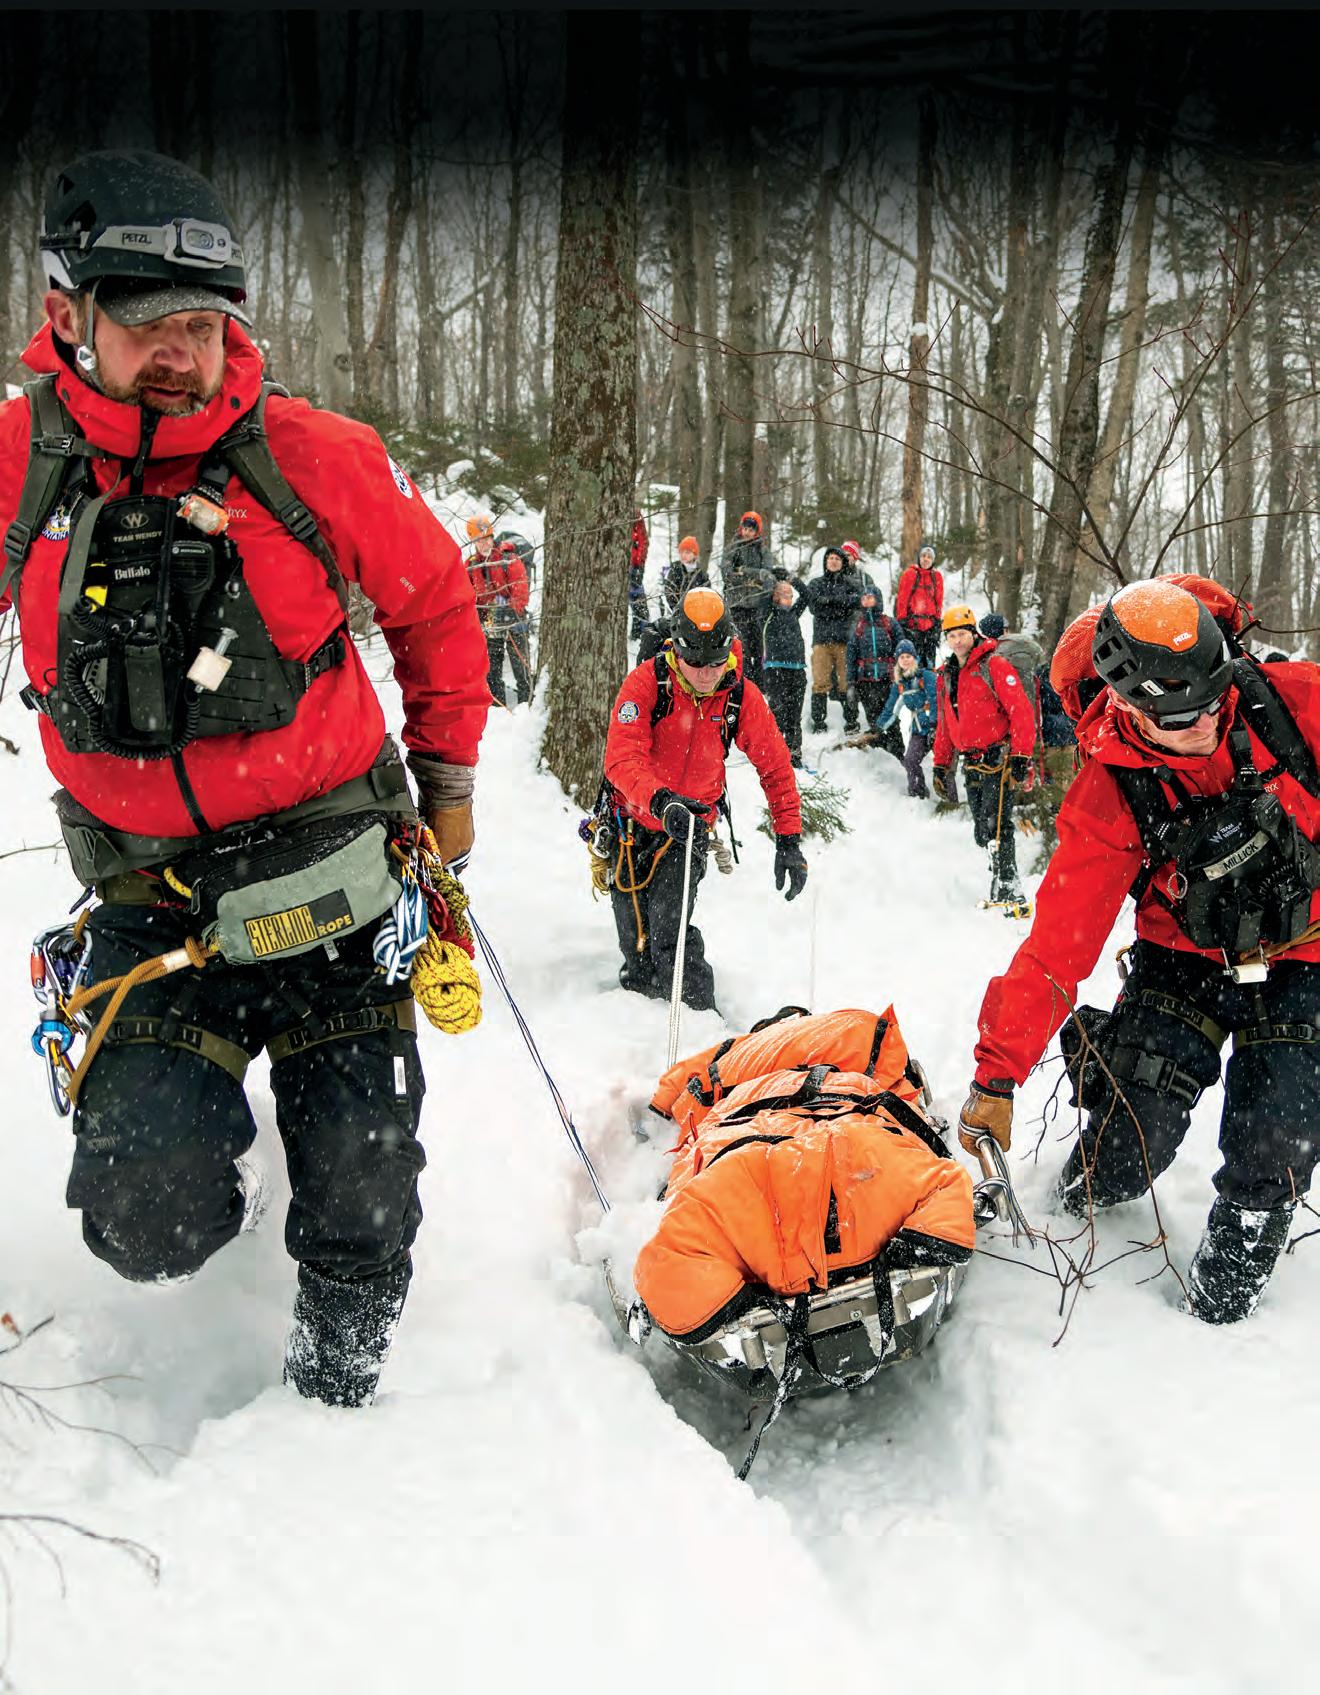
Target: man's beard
(189,385)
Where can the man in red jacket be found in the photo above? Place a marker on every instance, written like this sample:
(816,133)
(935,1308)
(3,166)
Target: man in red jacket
(499,582)
(673,723)
(920,603)
(1200,787)
(177,547)
(984,715)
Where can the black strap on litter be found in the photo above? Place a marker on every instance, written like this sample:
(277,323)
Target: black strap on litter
(778,1018)
(54,446)
(246,450)
(877,1042)
(794,1321)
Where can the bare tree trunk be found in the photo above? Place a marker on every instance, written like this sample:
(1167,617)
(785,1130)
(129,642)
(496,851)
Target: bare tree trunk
(823,378)
(1272,597)
(683,267)
(383,350)
(914,517)
(744,244)
(712,445)
(355,236)
(593,442)
(1080,421)
(1118,419)
(332,364)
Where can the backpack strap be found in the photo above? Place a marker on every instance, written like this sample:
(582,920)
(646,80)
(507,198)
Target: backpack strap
(54,444)
(664,689)
(246,450)
(1274,725)
(732,713)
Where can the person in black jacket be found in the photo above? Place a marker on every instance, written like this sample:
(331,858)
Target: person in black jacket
(784,664)
(684,573)
(834,598)
(746,578)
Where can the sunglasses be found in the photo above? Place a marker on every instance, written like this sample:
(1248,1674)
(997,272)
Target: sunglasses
(1193,715)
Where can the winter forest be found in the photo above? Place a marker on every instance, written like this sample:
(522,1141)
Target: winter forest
(1033,289)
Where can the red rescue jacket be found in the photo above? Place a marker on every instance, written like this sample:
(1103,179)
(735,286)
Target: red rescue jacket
(1099,855)
(684,749)
(920,597)
(992,705)
(382,535)
(502,574)
(637,551)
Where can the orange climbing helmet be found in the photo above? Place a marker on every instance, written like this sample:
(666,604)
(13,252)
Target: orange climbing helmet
(1159,648)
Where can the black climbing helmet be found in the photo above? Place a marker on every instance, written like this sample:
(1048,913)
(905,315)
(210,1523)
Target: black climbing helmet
(151,235)
(703,630)
(1160,649)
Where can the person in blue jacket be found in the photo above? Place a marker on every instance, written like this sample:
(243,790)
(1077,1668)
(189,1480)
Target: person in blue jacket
(913,691)
(784,662)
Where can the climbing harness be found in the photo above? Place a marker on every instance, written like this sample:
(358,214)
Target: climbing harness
(428,936)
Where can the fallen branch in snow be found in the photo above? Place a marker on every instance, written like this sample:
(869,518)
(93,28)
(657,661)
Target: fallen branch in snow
(11,747)
(25,1402)
(37,847)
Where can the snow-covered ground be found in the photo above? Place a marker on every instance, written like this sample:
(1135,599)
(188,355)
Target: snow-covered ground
(533,1502)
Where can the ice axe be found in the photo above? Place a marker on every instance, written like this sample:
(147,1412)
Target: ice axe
(995,1196)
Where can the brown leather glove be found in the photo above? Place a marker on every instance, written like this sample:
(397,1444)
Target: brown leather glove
(987,1111)
(454,833)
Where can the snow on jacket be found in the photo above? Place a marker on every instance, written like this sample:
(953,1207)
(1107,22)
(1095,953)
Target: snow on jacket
(499,581)
(782,646)
(678,581)
(1098,857)
(871,645)
(918,694)
(639,544)
(920,601)
(752,1200)
(746,573)
(684,750)
(981,702)
(834,598)
(383,536)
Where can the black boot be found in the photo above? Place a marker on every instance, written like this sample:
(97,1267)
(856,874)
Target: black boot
(1231,1267)
(341,1333)
(818,705)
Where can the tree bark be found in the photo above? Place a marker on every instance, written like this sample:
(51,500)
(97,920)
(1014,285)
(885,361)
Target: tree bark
(1272,597)
(744,247)
(1118,419)
(593,441)
(683,308)
(1079,427)
(822,374)
(914,517)
(333,367)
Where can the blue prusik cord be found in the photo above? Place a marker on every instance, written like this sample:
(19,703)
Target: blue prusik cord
(565,1116)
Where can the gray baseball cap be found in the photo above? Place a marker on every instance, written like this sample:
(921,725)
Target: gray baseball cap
(132,305)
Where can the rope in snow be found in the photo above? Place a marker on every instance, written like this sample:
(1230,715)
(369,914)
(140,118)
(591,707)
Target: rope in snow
(565,1116)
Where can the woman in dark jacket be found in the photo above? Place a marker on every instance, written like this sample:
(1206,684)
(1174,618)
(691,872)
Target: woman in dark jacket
(833,598)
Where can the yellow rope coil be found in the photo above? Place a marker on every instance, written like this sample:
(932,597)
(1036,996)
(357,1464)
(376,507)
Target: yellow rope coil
(444,979)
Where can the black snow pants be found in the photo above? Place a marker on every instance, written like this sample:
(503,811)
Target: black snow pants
(1162,1044)
(990,796)
(159,1123)
(657,872)
(874,698)
(785,691)
(514,643)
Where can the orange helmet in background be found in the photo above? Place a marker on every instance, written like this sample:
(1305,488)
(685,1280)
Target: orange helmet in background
(689,545)
(959,618)
(480,525)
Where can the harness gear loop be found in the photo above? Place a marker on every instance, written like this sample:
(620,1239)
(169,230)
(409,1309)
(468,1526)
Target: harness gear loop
(444,978)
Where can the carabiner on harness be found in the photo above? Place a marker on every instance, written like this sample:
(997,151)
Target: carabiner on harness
(60,960)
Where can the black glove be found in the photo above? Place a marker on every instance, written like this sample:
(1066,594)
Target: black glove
(1021,772)
(790,863)
(942,777)
(680,816)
